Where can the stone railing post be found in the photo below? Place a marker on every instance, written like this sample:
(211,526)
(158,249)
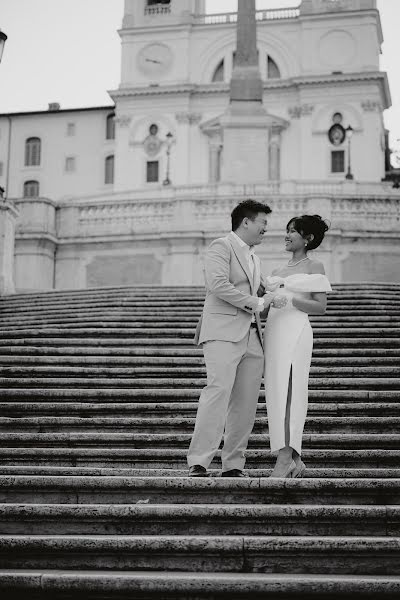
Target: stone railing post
(8,216)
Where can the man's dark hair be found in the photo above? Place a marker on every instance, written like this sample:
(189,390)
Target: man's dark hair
(249,209)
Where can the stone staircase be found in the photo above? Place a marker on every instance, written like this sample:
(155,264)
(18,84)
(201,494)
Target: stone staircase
(98,398)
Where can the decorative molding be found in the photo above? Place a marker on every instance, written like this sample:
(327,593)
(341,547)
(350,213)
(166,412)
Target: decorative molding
(371,106)
(188,118)
(303,110)
(123,121)
(289,84)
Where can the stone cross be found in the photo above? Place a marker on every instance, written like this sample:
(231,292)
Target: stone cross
(246,80)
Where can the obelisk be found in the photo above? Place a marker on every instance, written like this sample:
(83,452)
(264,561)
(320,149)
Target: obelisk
(245,123)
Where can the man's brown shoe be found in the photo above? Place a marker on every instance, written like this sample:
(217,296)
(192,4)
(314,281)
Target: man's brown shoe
(198,471)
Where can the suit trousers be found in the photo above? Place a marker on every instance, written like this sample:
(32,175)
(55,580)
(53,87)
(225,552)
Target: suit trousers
(228,403)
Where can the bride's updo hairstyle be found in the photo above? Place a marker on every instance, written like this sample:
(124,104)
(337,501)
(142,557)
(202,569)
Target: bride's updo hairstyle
(307,225)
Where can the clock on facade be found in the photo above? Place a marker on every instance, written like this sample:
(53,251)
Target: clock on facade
(154,59)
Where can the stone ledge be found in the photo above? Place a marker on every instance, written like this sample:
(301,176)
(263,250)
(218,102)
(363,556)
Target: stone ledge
(150,585)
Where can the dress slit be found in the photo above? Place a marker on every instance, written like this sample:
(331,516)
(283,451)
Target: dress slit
(289,395)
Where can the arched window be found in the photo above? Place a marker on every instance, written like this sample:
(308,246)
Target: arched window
(31,189)
(272,69)
(32,152)
(109,169)
(110,127)
(219,72)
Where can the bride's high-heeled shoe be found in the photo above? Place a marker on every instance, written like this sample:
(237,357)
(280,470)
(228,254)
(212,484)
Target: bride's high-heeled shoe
(299,470)
(287,473)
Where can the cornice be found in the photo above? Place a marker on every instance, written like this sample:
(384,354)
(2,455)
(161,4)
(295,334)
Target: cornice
(278,84)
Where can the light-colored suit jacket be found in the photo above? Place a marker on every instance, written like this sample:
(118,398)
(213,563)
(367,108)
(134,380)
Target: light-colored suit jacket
(231,293)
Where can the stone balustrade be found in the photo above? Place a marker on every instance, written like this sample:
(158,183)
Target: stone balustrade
(261,15)
(349,206)
(157,9)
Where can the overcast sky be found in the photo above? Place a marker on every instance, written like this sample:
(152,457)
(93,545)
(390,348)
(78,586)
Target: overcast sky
(68,51)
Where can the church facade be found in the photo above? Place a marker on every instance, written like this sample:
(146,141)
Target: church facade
(132,193)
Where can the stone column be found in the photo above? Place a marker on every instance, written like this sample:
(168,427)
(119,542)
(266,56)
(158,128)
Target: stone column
(245,123)
(215,155)
(275,154)
(8,215)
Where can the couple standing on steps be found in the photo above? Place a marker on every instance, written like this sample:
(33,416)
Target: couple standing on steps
(237,353)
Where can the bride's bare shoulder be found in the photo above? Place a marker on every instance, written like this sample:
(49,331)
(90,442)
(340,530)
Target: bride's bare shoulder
(316,266)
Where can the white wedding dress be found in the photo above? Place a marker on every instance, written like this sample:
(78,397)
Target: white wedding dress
(288,343)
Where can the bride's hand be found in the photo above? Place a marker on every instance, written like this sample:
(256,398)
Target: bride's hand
(280,301)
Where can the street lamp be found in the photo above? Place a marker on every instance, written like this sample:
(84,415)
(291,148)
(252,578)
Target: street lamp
(349,133)
(3,38)
(168,140)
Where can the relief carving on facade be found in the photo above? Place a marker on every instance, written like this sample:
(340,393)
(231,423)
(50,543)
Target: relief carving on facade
(188,118)
(371,106)
(123,121)
(302,110)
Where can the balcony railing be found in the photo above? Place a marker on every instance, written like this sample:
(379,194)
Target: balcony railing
(158,9)
(261,15)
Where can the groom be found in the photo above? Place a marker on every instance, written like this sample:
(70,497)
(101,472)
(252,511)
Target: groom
(230,331)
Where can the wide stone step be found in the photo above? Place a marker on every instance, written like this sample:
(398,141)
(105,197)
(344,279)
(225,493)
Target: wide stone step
(115,318)
(55,489)
(173,410)
(179,440)
(42,359)
(179,424)
(72,354)
(190,314)
(184,346)
(152,395)
(311,472)
(322,554)
(62,371)
(199,519)
(187,322)
(126,344)
(331,382)
(184,332)
(168,299)
(175,458)
(152,585)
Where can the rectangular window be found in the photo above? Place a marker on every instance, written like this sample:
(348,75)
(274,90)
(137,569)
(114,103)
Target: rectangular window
(337,161)
(70,164)
(70,128)
(1,169)
(152,171)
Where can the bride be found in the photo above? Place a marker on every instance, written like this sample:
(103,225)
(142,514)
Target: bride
(288,341)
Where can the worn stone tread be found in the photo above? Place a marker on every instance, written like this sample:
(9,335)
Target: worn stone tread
(161,584)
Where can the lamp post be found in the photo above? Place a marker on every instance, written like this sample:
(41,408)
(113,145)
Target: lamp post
(3,38)
(168,141)
(349,133)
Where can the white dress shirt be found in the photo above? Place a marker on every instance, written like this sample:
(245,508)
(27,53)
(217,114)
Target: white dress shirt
(249,252)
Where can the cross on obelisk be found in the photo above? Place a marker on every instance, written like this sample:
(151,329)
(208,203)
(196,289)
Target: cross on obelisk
(245,123)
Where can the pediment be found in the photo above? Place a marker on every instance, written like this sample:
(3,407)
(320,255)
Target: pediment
(213,126)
